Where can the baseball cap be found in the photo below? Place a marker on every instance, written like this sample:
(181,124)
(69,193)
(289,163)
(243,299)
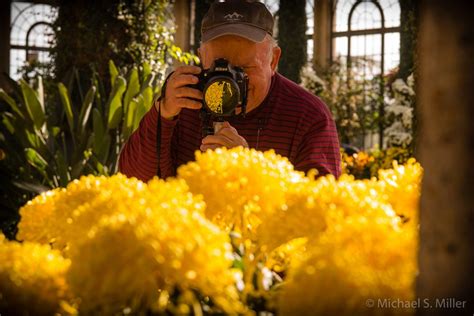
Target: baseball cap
(245,18)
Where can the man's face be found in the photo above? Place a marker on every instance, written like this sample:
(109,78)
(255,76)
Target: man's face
(259,61)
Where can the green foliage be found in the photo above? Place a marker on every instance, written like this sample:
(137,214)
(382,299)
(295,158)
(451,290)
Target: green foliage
(41,151)
(129,32)
(353,99)
(150,28)
(77,123)
(83,34)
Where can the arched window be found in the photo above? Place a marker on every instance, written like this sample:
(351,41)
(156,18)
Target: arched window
(370,30)
(31,34)
(366,40)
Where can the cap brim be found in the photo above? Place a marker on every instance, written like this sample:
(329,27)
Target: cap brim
(251,33)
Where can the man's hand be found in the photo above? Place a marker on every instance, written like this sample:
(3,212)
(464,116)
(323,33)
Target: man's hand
(178,95)
(227,136)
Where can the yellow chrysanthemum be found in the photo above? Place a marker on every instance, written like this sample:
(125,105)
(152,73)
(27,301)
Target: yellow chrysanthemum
(258,195)
(365,253)
(240,185)
(302,216)
(137,261)
(38,218)
(312,206)
(401,185)
(31,278)
(131,242)
(62,216)
(139,247)
(358,260)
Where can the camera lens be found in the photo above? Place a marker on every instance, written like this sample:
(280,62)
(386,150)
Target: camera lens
(221,96)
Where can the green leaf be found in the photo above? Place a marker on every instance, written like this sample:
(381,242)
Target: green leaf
(35,159)
(113,73)
(101,169)
(127,128)
(20,135)
(147,82)
(76,170)
(41,138)
(86,109)
(96,82)
(98,128)
(66,101)
(11,102)
(238,264)
(133,88)
(147,98)
(55,130)
(7,121)
(115,103)
(102,140)
(33,139)
(30,186)
(64,176)
(139,112)
(146,70)
(104,149)
(33,105)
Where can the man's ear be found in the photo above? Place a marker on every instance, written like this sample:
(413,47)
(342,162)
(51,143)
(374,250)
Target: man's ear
(275,58)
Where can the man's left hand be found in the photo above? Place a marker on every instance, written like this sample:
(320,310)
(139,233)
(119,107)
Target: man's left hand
(226,136)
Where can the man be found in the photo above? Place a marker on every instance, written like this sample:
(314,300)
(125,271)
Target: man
(280,114)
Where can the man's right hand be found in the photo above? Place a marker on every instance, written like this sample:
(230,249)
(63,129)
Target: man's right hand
(178,94)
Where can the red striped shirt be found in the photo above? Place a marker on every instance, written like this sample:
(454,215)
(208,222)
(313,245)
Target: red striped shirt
(292,121)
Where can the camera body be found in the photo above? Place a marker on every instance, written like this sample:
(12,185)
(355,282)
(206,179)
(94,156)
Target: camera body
(224,89)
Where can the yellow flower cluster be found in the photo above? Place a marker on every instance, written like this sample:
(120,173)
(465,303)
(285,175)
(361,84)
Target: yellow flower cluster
(61,217)
(132,245)
(356,163)
(241,186)
(361,260)
(302,215)
(164,247)
(366,252)
(32,278)
(401,185)
(345,232)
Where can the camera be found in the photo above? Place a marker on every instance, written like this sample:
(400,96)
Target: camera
(224,89)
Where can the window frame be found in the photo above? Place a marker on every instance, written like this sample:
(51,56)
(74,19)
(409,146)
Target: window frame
(349,34)
(23,43)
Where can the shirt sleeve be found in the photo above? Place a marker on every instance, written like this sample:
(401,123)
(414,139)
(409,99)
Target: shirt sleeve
(139,158)
(319,148)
